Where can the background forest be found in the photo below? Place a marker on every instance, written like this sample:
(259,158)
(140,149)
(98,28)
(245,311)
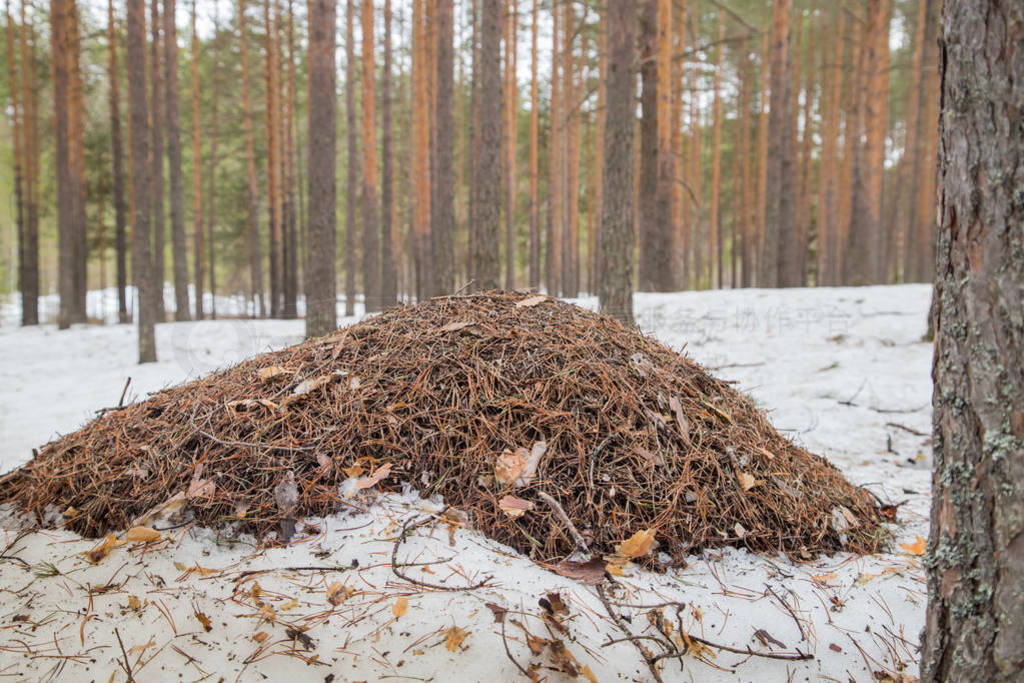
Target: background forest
(777,144)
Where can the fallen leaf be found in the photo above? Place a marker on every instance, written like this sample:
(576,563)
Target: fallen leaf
(915,548)
(375,477)
(460,325)
(554,604)
(614,568)
(290,605)
(824,578)
(261,636)
(353,471)
(588,674)
(324,461)
(247,404)
(453,638)
(514,507)
(338,592)
(864,577)
(746,481)
(273,372)
(740,531)
(767,638)
(684,425)
(400,607)
(639,544)
(309,384)
(142,534)
(194,569)
(134,603)
(518,468)
(164,509)
(70,513)
(652,459)
(498,611)
(102,549)
(590,572)
(198,487)
(531,301)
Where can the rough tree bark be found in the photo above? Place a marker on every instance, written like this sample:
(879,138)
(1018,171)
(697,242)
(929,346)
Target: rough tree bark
(371,237)
(259,301)
(389,273)
(615,255)
(655,235)
(142,267)
(120,210)
(352,160)
(156,152)
(442,183)
(29,275)
(214,133)
(974,629)
(486,252)
(321,314)
(534,265)
(197,173)
(779,260)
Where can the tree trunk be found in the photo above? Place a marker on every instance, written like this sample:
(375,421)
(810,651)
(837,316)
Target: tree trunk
(442,182)
(420,166)
(291,243)
(259,301)
(59,49)
(157,160)
(273,161)
(928,136)
(142,267)
(655,235)
(761,200)
(389,273)
(351,162)
(714,212)
(197,173)
(486,252)
(828,174)
(178,251)
(974,629)
(120,217)
(371,236)
(779,261)
(76,139)
(17,123)
(746,211)
(534,265)
(321,313)
(615,288)
(214,133)
(29,249)
(556,131)
(509,137)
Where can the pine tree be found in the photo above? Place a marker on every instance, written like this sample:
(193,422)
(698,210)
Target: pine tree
(256,292)
(486,259)
(371,236)
(198,250)
(442,200)
(389,273)
(178,252)
(352,160)
(117,155)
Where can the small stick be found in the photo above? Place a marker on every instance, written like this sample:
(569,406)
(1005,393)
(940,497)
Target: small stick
(629,636)
(798,657)
(127,664)
(120,401)
(905,428)
(407,528)
(560,513)
(788,609)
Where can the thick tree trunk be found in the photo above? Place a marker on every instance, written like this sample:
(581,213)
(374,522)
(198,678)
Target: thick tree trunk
(779,256)
(714,213)
(142,267)
(509,137)
(486,246)
(389,273)
(371,236)
(273,160)
(321,314)
(29,249)
(615,288)
(291,243)
(974,629)
(442,182)
(197,173)
(156,152)
(655,231)
(178,250)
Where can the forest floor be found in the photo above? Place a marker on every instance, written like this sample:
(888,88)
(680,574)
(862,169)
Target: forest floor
(843,372)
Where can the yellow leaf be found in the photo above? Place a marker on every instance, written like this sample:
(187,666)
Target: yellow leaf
(915,548)
(202,571)
(639,544)
(134,603)
(747,481)
(142,534)
(291,604)
(824,578)
(338,592)
(614,569)
(453,637)
(400,606)
(102,549)
(588,674)
(865,577)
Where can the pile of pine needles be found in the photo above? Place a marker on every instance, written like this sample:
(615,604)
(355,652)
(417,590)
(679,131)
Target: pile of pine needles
(515,408)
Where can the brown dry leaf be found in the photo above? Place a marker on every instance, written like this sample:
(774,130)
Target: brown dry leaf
(824,578)
(247,404)
(453,638)
(614,568)
(639,544)
(164,509)
(70,513)
(653,459)
(746,481)
(273,372)
(198,487)
(338,592)
(102,549)
(456,326)
(514,507)
(519,468)
(915,548)
(588,674)
(261,636)
(531,301)
(134,603)
(194,569)
(204,620)
(535,643)
(555,604)
(142,534)
(353,471)
(400,607)
(590,572)
(375,477)
(291,604)
(684,425)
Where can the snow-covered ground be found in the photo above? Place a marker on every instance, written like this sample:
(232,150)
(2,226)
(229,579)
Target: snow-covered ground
(842,371)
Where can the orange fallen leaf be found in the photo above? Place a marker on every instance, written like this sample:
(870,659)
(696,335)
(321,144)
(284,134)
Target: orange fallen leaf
(205,621)
(338,592)
(375,477)
(746,481)
(639,544)
(102,549)
(273,372)
(142,534)
(514,507)
(915,548)
(261,636)
(400,607)
(453,637)
(824,578)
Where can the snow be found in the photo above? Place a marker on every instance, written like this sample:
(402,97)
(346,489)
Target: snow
(842,371)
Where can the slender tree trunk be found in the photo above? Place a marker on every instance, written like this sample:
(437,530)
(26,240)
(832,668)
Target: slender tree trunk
(569,156)
(680,189)
(929,104)
(714,213)
(421,154)
(486,255)
(321,312)
(371,235)
(214,134)
(352,160)
(556,130)
(389,274)
(142,267)
(746,210)
(291,243)
(974,628)
(442,182)
(615,291)
(779,262)
(197,173)
(273,162)
(762,164)
(828,178)
(156,152)
(509,135)
(655,239)
(259,301)
(62,159)
(534,265)
(120,217)
(178,250)
(76,140)
(28,277)
(17,123)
